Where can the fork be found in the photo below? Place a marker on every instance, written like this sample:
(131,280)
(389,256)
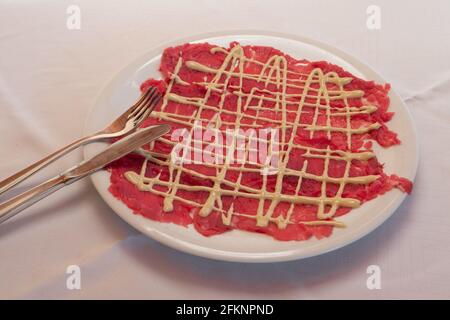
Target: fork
(124,124)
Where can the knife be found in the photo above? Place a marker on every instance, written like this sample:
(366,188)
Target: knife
(115,151)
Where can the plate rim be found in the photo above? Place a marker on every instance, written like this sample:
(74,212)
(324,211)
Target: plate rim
(286,255)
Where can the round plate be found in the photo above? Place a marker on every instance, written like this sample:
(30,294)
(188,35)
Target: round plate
(243,246)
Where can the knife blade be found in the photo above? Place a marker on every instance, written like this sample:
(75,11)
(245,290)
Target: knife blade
(115,151)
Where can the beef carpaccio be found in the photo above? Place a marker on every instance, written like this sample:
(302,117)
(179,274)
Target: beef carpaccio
(322,122)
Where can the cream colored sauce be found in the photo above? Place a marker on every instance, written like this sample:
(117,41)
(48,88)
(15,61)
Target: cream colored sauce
(273,72)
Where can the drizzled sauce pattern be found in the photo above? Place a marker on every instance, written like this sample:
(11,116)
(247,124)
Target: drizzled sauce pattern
(273,72)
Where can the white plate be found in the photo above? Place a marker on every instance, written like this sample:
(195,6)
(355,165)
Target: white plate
(242,246)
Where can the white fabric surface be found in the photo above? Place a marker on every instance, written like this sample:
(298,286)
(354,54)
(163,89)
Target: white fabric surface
(50,76)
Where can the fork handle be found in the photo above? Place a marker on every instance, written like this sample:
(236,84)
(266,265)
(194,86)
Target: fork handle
(13,206)
(23,174)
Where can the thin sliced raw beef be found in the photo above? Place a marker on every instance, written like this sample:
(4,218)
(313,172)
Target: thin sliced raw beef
(326,119)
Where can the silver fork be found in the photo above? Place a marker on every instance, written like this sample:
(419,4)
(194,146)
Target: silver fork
(124,124)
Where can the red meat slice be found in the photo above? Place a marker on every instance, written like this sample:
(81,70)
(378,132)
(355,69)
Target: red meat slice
(150,205)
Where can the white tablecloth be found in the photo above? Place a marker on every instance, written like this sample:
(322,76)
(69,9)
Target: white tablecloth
(50,76)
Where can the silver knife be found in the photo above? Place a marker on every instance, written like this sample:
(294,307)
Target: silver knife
(115,151)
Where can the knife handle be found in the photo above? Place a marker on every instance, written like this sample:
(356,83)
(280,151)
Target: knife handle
(23,174)
(13,206)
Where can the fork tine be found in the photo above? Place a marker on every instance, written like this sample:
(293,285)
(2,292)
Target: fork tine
(148,110)
(142,101)
(155,103)
(143,96)
(151,104)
